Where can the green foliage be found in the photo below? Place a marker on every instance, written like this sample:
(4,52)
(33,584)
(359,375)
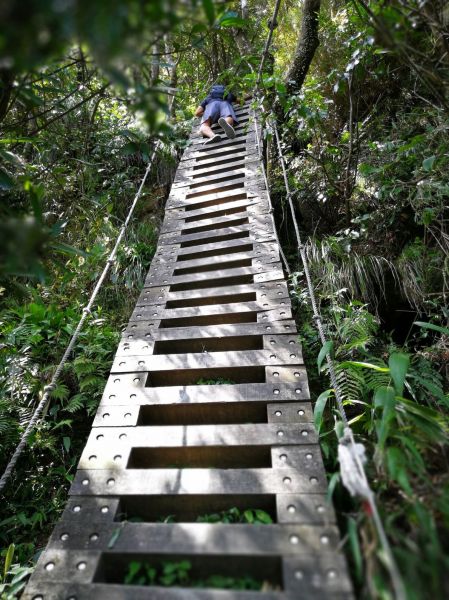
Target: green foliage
(14,576)
(215,381)
(169,574)
(395,400)
(366,145)
(253,516)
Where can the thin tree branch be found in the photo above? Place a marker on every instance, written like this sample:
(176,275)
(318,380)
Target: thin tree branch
(69,110)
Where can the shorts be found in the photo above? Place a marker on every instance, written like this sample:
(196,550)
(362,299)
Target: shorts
(218,108)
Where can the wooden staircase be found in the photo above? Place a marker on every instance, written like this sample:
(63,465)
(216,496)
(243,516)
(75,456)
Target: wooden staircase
(206,408)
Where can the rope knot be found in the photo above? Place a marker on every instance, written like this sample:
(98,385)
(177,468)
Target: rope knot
(86,310)
(49,388)
(352,458)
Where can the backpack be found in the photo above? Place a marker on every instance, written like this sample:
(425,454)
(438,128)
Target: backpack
(217,92)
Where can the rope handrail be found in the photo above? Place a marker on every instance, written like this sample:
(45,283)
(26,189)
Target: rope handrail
(351,454)
(273,25)
(37,414)
(259,153)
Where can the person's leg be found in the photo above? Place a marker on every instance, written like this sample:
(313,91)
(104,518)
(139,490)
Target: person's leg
(206,130)
(226,123)
(226,120)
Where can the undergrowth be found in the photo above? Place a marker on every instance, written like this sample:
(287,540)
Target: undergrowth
(252,516)
(395,400)
(214,381)
(178,574)
(35,335)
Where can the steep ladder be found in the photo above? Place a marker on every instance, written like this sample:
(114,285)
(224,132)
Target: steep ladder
(206,408)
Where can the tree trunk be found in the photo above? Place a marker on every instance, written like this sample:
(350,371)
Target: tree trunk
(172,74)
(156,63)
(241,38)
(307,44)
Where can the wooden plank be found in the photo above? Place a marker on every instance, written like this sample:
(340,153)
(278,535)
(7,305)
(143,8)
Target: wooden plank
(192,163)
(110,439)
(240,312)
(123,459)
(218,216)
(245,231)
(219,184)
(290,412)
(270,272)
(290,508)
(38,589)
(216,152)
(304,508)
(215,258)
(202,211)
(267,317)
(128,415)
(116,456)
(273,288)
(142,341)
(247,127)
(199,182)
(253,217)
(267,320)
(219,158)
(206,331)
(180,198)
(197,143)
(191,171)
(199,538)
(219,191)
(206,360)
(285,374)
(221,261)
(197,151)
(177,252)
(190,481)
(124,387)
(243,204)
(161,294)
(209,343)
(158,311)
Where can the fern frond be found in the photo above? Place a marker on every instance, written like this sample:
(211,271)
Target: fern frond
(352,383)
(76,403)
(61,392)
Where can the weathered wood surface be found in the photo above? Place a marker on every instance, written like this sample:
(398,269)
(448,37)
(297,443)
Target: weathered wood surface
(207,407)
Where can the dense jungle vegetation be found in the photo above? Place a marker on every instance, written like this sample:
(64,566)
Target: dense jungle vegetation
(360,90)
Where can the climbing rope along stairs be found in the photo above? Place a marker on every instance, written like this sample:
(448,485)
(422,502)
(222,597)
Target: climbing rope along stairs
(206,408)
